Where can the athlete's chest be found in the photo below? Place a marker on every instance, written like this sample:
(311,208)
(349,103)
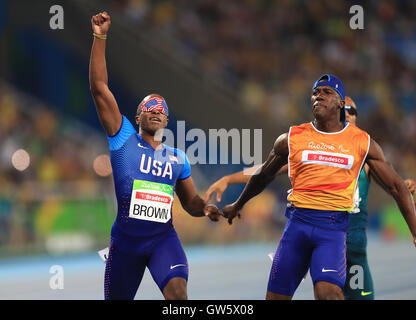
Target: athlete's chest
(337,150)
(140,161)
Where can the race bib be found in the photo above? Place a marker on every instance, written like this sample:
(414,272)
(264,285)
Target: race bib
(151,201)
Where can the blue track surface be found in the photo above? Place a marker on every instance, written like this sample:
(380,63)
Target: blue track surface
(216,272)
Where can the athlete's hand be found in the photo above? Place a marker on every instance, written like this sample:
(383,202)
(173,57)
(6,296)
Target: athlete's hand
(101,23)
(219,187)
(212,212)
(230,212)
(411,184)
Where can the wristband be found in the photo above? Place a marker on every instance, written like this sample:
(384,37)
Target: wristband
(100,36)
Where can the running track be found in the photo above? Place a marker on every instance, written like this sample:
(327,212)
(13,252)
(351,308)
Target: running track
(237,272)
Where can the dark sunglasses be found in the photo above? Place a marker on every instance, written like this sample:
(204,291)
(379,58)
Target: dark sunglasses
(351,110)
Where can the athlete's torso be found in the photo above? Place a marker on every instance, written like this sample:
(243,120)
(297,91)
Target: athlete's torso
(144,180)
(359,216)
(324,167)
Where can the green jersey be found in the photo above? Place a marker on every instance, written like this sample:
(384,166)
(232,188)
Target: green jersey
(357,244)
(359,215)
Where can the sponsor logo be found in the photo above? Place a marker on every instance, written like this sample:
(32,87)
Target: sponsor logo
(341,148)
(329,270)
(328,158)
(364,293)
(177,265)
(141,146)
(152,197)
(320,146)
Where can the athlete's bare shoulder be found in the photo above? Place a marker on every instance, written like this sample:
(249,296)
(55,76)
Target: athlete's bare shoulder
(281,145)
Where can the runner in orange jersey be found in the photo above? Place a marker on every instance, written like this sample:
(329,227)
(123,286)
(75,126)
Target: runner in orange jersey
(324,160)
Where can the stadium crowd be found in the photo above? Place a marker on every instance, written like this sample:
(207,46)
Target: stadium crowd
(43,156)
(271,52)
(268,52)
(48,160)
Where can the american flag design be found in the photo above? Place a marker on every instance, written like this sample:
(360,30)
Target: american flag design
(155,103)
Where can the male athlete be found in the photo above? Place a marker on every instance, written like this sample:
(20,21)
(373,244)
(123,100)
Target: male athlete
(146,175)
(356,236)
(324,158)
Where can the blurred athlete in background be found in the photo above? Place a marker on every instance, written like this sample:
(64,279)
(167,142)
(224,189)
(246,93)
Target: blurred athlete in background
(146,175)
(325,161)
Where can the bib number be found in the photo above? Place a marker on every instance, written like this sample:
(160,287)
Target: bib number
(151,201)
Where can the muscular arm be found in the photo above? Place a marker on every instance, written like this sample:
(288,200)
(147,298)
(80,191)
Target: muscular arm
(192,202)
(258,182)
(243,176)
(384,174)
(105,102)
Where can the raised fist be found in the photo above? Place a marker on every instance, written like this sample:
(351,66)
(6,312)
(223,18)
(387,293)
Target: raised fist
(101,23)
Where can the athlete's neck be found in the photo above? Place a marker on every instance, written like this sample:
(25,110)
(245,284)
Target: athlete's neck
(328,126)
(155,140)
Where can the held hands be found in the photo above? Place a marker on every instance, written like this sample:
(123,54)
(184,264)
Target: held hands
(212,212)
(101,23)
(231,211)
(219,187)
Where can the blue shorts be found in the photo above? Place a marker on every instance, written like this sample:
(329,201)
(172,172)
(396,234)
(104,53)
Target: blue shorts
(305,246)
(129,256)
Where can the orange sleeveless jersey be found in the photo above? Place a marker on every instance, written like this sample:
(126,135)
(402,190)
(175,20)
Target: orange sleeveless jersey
(324,167)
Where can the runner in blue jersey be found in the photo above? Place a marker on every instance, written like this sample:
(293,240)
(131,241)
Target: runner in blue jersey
(146,175)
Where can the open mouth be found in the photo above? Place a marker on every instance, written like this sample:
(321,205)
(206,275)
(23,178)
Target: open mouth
(155,119)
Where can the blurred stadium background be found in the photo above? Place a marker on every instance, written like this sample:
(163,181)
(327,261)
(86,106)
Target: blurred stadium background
(220,64)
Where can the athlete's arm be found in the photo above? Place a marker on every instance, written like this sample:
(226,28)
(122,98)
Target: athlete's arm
(258,182)
(367,171)
(105,102)
(387,177)
(243,176)
(192,202)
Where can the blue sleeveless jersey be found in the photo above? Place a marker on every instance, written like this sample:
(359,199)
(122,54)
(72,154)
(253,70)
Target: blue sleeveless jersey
(144,181)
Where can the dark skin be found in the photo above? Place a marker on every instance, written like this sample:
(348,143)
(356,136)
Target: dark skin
(326,107)
(151,123)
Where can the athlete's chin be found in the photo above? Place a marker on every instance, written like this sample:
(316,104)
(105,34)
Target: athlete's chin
(153,130)
(317,115)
